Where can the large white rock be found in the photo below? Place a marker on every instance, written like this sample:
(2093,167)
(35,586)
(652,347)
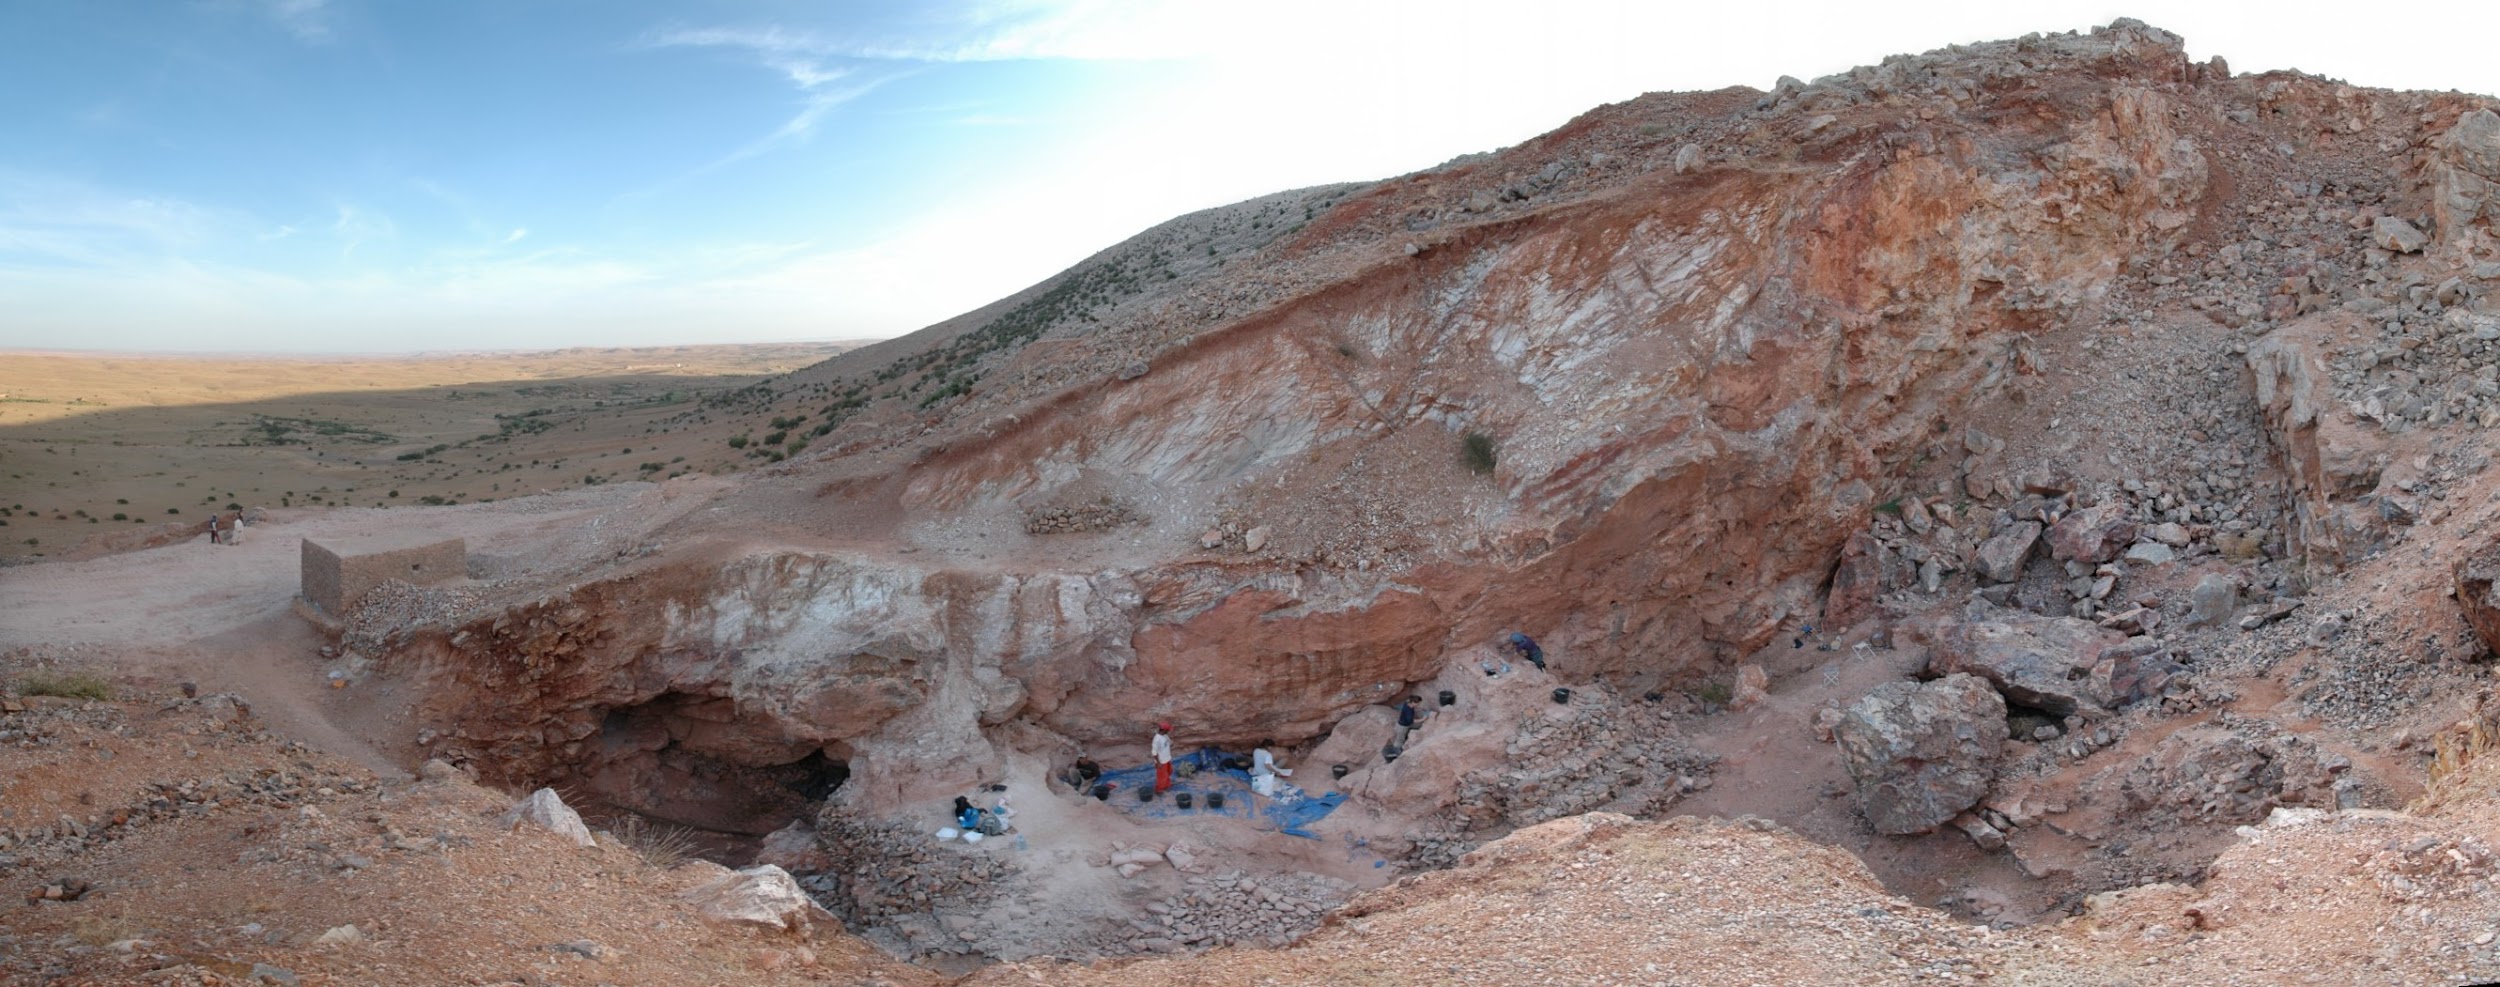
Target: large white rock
(760,895)
(546,810)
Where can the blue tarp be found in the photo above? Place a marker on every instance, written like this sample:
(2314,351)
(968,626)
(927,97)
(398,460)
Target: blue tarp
(1290,810)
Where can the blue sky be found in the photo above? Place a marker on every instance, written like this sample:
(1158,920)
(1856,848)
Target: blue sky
(396,175)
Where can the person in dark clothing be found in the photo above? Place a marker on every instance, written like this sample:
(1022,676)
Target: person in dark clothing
(1526,646)
(1406,720)
(967,816)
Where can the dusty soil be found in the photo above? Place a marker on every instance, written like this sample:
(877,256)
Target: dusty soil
(220,852)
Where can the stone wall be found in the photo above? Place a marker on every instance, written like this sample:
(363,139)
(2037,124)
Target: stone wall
(341,573)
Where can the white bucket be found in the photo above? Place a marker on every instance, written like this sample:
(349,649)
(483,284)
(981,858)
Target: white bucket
(972,836)
(948,833)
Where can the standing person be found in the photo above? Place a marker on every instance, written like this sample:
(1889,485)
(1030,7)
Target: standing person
(1163,757)
(212,528)
(1406,719)
(1526,646)
(234,529)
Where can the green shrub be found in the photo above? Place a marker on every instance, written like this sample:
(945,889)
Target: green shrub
(737,442)
(1478,452)
(65,685)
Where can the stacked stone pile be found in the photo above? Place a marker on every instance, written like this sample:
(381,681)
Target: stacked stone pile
(1601,750)
(395,607)
(1231,908)
(1084,517)
(881,872)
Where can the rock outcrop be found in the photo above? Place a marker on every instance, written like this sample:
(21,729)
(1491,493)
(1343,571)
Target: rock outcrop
(546,810)
(1921,752)
(762,895)
(2478,594)
(2059,665)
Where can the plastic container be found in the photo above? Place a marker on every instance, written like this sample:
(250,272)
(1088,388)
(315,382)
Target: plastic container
(974,836)
(1562,695)
(1102,793)
(1449,698)
(1181,799)
(1338,771)
(1215,800)
(948,833)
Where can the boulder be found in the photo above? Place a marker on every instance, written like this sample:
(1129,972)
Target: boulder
(2059,665)
(1752,687)
(2394,234)
(1922,752)
(2093,534)
(2000,558)
(2212,601)
(2150,553)
(2478,594)
(761,895)
(546,810)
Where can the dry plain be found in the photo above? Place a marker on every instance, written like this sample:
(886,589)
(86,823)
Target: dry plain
(98,444)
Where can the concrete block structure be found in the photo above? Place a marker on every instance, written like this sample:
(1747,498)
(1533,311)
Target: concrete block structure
(340,571)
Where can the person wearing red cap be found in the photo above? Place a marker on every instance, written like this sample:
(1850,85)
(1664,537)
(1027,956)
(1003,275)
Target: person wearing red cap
(1163,757)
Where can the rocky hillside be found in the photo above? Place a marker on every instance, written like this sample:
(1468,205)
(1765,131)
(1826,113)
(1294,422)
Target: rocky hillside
(2049,471)
(1632,387)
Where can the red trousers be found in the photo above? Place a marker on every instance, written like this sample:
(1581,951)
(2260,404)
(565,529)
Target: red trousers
(1163,776)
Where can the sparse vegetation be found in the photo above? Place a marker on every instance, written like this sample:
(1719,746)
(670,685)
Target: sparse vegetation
(66,685)
(660,846)
(1478,452)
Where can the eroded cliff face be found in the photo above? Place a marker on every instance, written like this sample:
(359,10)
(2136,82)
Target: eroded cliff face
(1703,359)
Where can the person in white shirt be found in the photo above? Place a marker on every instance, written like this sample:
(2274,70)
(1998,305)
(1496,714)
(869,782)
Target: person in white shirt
(1163,757)
(1263,769)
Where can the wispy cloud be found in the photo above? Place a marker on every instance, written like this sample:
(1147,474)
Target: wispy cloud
(356,226)
(799,56)
(517,233)
(803,59)
(58,221)
(308,20)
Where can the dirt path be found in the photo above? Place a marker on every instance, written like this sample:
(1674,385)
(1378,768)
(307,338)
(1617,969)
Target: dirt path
(221,616)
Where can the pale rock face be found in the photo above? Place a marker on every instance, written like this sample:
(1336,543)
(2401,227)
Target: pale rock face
(763,895)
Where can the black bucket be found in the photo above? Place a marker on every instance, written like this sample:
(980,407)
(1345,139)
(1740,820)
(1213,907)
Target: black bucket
(1449,698)
(1338,771)
(1145,795)
(1562,695)
(1102,793)
(1181,799)
(1389,754)
(1215,800)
